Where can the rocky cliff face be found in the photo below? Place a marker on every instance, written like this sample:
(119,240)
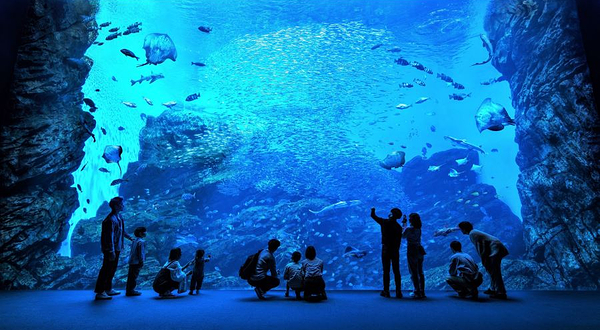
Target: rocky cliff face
(42,140)
(538,49)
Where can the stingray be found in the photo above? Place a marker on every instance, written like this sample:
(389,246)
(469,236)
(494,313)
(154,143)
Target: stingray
(112,154)
(159,47)
(354,253)
(393,160)
(492,116)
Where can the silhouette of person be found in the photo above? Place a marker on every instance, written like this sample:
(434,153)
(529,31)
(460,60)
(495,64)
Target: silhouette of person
(491,251)
(266,262)
(172,276)
(415,253)
(112,242)
(136,261)
(312,268)
(293,275)
(465,277)
(391,236)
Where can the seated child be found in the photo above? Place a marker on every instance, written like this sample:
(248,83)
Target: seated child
(293,275)
(312,268)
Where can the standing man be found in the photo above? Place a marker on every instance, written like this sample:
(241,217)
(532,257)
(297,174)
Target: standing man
(465,277)
(391,235)
(112,242)
(491,251)
(266,262)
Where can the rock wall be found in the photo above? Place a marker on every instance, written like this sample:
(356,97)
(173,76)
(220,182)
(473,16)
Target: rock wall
(538,48)
(42,141)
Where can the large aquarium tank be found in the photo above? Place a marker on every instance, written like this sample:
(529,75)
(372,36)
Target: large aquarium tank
(224,124)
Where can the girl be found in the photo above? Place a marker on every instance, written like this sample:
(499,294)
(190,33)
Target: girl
(415,253)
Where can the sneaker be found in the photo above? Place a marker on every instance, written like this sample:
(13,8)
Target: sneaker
(499,296)
(113,292)
(191,293)
(133,294)
(385,294)
(259,294)
(489,292)
(197,291)
(103,296)
(167,295)
(423,294)
(398,294)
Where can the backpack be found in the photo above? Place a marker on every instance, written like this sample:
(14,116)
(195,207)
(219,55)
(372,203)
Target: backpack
(162,278)
(249,267)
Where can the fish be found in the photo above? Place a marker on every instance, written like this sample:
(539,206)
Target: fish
(188,196)
(476,168)
(79,187)
(103,130)
(112,154)
(151,78)
(434,168)
(429,71)
(475,193)
(494,150)
(403,106)
(103,170)
(336,206)
(428,145)
(170,104)
(148,100)
(419,82)
(84,210)
(130,104)
(406,85)
(129,53)
(424,151)
(83,168)
(462,161)
(143,116)
(89,103)
(105,24)
(88,130)
(100,43)
(394,159)
(115,29)
(403,146)
(185,240)
(432,128)
(417,65)
(430,113)
(198,64)
(192,97)
(376,46)
(493,80)
(459,97)
(488,46)
(121,128)
(204,29)
(159,47)
(454,173)
(492,116)
(350,252)
(401,61)
(457,85)
(114,79)
(463,144)
(134,25)
(421,100)
(394,50)
(113,36)
(445,77)
(87,201)
(118,181)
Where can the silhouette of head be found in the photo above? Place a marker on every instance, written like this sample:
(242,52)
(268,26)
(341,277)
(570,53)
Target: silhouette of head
(465,227)
(140,232)
(199,254)
(395,213)
(415,220)
(310,253)
(175,254)
(274,244)
(456,246)
(296,256)
(116,204)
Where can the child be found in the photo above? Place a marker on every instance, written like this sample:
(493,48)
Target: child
(293,275)
(415,253)
(312,268)
(136,261)
(198,272)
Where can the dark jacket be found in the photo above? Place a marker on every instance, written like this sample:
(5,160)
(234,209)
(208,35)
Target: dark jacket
(113,234)
(391,232)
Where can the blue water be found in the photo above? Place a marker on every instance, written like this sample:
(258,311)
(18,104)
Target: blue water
(310,105)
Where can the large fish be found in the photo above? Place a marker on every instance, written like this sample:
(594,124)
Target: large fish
(159,47)
(492,116)
(488,46)
(112,154)
(351,252)
(336,206)
(393,160)
(463,144)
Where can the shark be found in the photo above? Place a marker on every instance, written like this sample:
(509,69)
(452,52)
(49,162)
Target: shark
(336,206)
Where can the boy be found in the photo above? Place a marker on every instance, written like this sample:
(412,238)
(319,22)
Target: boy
(136,261)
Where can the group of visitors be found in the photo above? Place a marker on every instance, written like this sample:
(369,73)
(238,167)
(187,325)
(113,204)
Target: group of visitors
(307,275)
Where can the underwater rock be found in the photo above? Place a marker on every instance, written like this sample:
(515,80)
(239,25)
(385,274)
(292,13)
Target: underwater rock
(557,133)
(42,141)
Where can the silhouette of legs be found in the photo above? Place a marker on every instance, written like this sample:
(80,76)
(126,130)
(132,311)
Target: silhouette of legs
(493,266)
(393,257)
(106,274)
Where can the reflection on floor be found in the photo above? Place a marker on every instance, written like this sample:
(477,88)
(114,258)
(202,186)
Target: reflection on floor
(343,310)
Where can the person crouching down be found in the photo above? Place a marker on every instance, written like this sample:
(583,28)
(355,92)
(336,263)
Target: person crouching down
(465,277)
(266,262)
(312,268)
(293,275)
(171,276)
(136,261)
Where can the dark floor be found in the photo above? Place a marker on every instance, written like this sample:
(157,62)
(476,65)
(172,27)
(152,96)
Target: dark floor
(343,310)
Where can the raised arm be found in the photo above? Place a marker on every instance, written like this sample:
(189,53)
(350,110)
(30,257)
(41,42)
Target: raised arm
(375,217)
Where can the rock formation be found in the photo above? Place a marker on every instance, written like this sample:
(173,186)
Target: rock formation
(42,141)
(538,48)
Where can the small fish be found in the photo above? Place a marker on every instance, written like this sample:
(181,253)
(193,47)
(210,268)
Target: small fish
(459,97)
(103,170)
(434,168)
(494,150)
(118,181)
(391,143)
(417,65)
(475,193)
(428,145)
(97,89)
(121,128)
(115,29)
(113,36)
(148,101)
(419,82)
(453,173)
(476,168)
(79,187)
(170,104)
(105,24)
(83,168)
(114,79)
(406,85)
(198,64)
(424,151)
(204,29)
(87,200)
(129,53)
(103,130)
(401,61)
(151,78)
(188,196)
(432,128)
(403,106)
(376,46)
(192,97)
(134,25)
(394,50)
(403,146)
(89,103)
(445,77)
(130,104)
(421,100)
(458,86)
(100,43)
(462,161)
(429,71)
(143,116)
(431,113)
(84,210)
